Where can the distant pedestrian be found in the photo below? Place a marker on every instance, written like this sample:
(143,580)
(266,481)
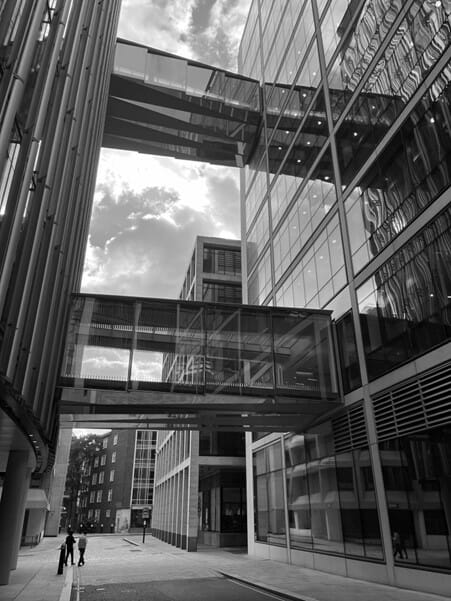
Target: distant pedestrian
(82,542)
(70,542)
(399,547)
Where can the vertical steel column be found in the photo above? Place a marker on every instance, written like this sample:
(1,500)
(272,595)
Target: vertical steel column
(368,405)
(20,73)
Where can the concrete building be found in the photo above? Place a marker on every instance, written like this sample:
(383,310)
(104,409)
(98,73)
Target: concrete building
(200,475)
(346,207)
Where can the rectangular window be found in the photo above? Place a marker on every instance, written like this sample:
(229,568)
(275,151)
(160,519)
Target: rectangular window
(115,437)
(110,494)
(112,476)
(108,513)
(113,457)
(101,477)
(105,443)
(103,460)
(99,496)
(96,462)
(94,479)
(97,515)
(418,516)
(92,496)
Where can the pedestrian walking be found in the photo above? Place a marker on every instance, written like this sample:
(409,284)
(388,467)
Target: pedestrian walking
(70,542)
(82,542)
(399,546)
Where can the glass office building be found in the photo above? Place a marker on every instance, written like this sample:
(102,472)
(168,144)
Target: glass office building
(346,207)
(200,483)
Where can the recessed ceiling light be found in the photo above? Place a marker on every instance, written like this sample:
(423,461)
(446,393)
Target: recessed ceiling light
(298,161)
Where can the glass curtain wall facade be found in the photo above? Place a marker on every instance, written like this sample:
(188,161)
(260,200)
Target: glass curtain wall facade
(345,206)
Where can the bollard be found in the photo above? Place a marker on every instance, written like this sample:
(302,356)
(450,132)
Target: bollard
(61,560)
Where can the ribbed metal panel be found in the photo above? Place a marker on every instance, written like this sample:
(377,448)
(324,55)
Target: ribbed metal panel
(349,429)
(419,403)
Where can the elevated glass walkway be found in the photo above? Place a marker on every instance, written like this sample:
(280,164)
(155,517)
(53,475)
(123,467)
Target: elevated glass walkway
(169,364)
(166,105)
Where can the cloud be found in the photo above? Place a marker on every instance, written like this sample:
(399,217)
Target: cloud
(204,30)
(141,239)
(148,210)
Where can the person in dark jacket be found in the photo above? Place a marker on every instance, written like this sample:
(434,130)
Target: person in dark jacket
(70,542)
(82,542)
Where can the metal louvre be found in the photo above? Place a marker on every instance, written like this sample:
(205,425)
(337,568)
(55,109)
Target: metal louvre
(420,403)
(349,429)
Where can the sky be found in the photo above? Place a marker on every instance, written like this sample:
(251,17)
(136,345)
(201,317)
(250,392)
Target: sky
(148,210)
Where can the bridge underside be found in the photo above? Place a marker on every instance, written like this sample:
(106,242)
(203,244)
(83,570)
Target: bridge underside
(89,408)
(165,105)
(167,364)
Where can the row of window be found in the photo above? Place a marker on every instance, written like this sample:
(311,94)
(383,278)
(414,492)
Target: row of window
(222,260)
(96,496)
(102,459)
(331,503)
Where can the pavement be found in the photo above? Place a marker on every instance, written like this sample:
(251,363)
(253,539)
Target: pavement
(121,558)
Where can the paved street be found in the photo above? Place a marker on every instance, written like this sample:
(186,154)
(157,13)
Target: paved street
(121,568)
(195,589)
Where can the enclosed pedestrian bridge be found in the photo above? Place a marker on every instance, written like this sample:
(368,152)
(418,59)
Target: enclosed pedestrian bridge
(162,104)
(168,364)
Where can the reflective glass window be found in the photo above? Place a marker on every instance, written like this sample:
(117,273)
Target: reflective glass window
(417,477)
(269,496)
(405,307)
(330,505)
(409,174)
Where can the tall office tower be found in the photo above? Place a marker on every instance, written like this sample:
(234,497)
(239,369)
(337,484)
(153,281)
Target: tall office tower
(199,494)
(346,207)
(55,62)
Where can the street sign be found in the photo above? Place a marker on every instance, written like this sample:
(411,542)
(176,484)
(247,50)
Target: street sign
(146,513)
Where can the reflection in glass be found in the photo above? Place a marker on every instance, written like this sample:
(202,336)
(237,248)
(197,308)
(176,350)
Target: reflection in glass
(417,477)
(409,175)
(195,347)
(405,307)
(269,498)
(331,500)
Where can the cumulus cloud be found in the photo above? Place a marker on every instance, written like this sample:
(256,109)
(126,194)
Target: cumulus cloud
(148,210)
(141,238)
(204,30)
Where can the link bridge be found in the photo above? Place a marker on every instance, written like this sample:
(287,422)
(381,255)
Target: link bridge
(170,364)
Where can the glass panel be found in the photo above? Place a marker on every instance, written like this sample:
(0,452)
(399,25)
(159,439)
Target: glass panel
(417,476)
(298,346)
(405,308)
(170,335)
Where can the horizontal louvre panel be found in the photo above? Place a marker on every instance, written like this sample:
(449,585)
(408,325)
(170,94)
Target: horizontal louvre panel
(349,430)
(418,404)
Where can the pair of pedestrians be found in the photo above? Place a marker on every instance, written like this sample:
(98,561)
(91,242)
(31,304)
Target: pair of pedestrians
(70,542)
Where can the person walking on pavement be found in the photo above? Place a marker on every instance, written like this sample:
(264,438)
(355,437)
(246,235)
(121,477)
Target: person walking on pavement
(82,542)
(399,546)
(70,541)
